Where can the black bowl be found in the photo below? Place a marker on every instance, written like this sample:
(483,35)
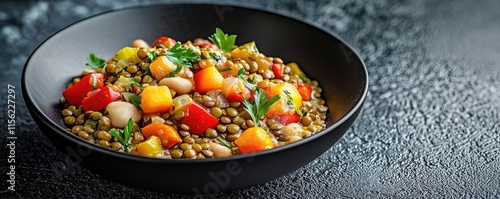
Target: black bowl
(322,55)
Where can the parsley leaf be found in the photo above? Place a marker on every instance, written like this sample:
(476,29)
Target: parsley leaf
(260,105)
(152,56)
(133,82)
(224,142)
(249,83)
(292,104)
(175,71)
(181,55)
(124,136)
(224,41)
(215,56)
(136,101)
(95,62)
(225,69)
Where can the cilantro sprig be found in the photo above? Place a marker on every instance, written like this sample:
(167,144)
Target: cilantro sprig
(95,62)
(224,41)
(181,55)
(124,136)
(259,106)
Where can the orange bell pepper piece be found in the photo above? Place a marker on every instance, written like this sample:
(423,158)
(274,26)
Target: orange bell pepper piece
(254,139)
(167,134)
(156,99)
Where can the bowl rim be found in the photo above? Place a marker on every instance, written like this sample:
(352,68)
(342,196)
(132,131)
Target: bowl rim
(95,148)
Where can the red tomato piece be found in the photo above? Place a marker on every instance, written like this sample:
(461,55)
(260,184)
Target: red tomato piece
(100,99)
(75,94)
(198,119)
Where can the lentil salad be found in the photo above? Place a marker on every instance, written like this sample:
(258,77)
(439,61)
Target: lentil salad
(201,99)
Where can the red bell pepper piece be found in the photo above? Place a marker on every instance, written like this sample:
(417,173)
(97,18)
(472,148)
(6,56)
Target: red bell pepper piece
(166,41)
(198,119)
(75,94)
(286,119)
(278,70)
(100,99)
(305,90)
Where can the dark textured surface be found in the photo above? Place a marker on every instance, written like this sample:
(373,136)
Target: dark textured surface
(429,128)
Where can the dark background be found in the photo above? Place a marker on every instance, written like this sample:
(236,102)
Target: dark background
(430,126)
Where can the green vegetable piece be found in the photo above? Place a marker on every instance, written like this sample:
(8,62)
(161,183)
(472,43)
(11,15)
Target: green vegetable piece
(224,142)
(152,55)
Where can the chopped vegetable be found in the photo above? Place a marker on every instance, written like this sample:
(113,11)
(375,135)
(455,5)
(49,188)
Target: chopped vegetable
(278,70)
(149,148)
(284,105)
(234,89)
(224,141)
(124,136)
(295,70)
(305,90)
(127,55)
(250,47)
(162,67)
(224,41)
(167,134)
(182,56)
(291,103)
(260,106)
(207,79)
(166,41)
(100,99)
(288,118)
(254,139)
(95,62)
(78,91)
(156,99)
(198,119)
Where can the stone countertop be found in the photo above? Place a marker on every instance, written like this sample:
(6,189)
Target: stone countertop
(430,127)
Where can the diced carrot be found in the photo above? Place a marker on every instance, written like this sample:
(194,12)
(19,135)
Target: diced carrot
(207,79)
(254,139)
(156,99)
(167,134)
(161,67)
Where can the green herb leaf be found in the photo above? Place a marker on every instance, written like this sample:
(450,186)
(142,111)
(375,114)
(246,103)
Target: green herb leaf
(124,136)
(249,83)
(225,69)
(259,106)
(215,56)
(94,82)
(182,56)
(224,142)
(152,55)
(175,71)
(224,41)
(136,101)
(95,62)
(305,79)
(291,103)
(133,82)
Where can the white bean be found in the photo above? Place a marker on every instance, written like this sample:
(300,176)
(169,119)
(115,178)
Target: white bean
(292,129)
(120,112)
(219,150)
(179,84)
(139,43)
